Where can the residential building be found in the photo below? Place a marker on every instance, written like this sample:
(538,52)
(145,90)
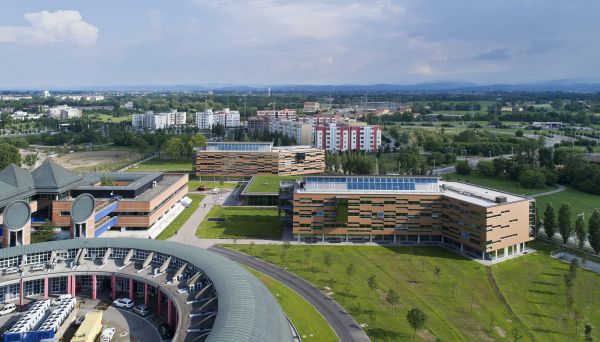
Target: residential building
(256,124)
(64,112)
(137,121)
(283,114)
(151,121)
(341,137)
(480,222)
(320,119)
(227,118)
(46,94)
(302,133)
(128,105)
(243,160)
(311,106)
(175,118)
(138,204)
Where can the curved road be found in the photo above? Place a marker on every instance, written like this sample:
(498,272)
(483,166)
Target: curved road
(560,188)
(342,323)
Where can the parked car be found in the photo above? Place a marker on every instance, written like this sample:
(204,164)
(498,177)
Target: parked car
(60,298)
(8,308)
(141,309)
(202,188)
(123,303)
(165,331)
(80,319)
(107,334)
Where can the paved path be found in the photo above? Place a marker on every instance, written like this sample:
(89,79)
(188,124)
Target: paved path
(341,321)
(560,188)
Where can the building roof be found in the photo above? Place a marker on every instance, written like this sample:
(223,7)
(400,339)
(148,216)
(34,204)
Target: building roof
(16,215)
(247,311)
(239,146)
(53,178)
(83,208)
(17,177)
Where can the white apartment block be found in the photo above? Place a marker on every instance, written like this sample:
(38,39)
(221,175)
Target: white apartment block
(64,112)
(311,106)
(227,118)
(151,121)
(175,118)
(302,133)
(347,137)
(283,114)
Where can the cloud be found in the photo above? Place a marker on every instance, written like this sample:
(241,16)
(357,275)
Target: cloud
(51,27)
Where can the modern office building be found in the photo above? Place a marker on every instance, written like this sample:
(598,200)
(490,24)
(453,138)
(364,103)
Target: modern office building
(138,204)
(283,114)
(201,295)
(476,221)
(340,137)
(235,160)
(301,133)
(226,118)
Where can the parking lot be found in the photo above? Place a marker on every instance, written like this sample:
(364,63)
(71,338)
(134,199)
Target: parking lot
(129,325)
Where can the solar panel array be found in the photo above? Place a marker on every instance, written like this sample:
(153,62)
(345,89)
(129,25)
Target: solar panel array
(248,147)
(370,183)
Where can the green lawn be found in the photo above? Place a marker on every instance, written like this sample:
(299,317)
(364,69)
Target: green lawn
(109,118)
(309,323)
(579,201)
(268,183)
(194,184)
(159,165)
(182,218)
(241,222)
(460,306)
(497,183)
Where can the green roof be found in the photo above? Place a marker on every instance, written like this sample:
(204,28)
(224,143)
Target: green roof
(268,184)
(247,311)
(53,178)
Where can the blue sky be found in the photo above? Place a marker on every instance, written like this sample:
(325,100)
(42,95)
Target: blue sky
(45,43)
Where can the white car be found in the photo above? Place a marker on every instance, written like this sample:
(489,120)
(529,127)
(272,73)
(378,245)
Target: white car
(8,308)
(107,334)
(123,303)
(60,298)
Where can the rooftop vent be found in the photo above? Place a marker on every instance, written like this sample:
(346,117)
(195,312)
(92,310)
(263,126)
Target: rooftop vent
(500,199)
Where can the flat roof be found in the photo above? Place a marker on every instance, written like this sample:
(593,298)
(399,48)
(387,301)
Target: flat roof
(409,185)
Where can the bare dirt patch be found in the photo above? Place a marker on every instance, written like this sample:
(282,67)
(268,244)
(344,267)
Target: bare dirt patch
(95,159)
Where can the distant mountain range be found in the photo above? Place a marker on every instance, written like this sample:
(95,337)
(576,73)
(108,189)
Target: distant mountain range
(432,87)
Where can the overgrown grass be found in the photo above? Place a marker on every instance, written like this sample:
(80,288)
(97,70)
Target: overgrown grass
(241,222)
(182,218)
(309,323)
(461,305)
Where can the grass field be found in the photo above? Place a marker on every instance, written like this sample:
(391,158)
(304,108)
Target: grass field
(497,183)
(109,118)
(182,218)
(461,305)
(241,222)
(579,201)
(309,323)
(160,165)
(268,183)
(194,184)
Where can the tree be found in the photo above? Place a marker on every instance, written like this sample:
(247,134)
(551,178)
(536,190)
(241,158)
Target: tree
(196,141)
(594,231)
(30,160)
(436,273)
(564,222)
(392,299)
(588,329)
(519,133)
(486,168)
(372,282)
(573,266)
(532,178)
(327,261)
(9,154)
(549,221)
(463,167)
(538,223)
(569,282)
(349,272)
(577,317)
(174,148)
(416,318)
(580,232)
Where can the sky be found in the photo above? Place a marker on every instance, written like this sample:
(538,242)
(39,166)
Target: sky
(70,43)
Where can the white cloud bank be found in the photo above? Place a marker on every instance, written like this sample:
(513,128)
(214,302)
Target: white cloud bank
(51,27)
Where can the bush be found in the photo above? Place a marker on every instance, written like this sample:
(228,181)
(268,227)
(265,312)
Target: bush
(463,167)
(486,168)
(532,178)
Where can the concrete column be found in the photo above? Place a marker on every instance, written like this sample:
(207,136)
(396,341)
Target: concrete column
(496,255)
(505,251)
(131,293)
(518,246)
(370,238)
(346,237)
(462,247)
(146,294)
(298,237)
(94,286)
(114,287)
(418,239)
(46,288)
(69,284)
(394,238)
(21,290)
(322,237)
(159,305)
(169,312)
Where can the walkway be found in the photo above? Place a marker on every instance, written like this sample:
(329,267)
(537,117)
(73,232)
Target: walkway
(560,188)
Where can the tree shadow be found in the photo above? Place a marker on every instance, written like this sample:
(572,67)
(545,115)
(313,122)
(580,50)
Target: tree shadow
(542,292)
(540,315)
(546,331)
(551,274)
(544,283)
(345,294)
(381,334)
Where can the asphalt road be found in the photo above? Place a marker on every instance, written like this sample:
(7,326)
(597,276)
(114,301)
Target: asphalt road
(342,323)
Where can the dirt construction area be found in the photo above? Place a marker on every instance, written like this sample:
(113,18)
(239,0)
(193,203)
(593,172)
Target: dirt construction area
(96,160)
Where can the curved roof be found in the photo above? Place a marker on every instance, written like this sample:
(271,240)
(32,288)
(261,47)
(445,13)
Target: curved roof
(83,208)
(16,215)
(247,310)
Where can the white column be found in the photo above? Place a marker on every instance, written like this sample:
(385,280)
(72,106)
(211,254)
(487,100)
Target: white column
(346,237)
(322,237)
(505,251)
(418,239)
(496,258)
(462,247)
(394,238)
(518,247)
(298,237)
(370,238)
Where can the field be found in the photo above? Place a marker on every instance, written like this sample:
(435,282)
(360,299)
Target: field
(108,118)
(97,160)
(195,183)
(579,201)
(240,223)
(309,323)
(182,218)
(461,305)
(268,183)
(497,183)
(160,165)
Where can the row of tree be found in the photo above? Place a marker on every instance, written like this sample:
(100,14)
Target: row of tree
(563,225)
